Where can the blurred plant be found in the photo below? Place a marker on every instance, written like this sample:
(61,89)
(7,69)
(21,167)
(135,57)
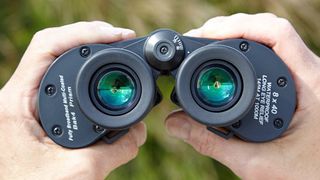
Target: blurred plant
(161,157)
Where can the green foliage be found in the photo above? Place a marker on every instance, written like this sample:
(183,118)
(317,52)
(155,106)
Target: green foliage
(162,157)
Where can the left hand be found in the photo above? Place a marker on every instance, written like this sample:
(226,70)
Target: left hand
(26,151)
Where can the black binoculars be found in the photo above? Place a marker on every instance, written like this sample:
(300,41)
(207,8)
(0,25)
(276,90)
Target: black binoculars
(233,86)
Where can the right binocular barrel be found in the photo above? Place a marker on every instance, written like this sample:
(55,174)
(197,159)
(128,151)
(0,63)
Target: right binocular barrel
(216,85)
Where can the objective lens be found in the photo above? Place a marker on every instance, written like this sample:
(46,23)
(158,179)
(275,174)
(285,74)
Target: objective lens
(116,90)
(216,86)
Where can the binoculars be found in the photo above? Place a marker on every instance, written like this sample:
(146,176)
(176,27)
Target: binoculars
(235,87)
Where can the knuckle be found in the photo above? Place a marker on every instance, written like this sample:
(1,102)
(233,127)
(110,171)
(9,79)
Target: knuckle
(214,20)
(178,115)
(40,38)
(88,167)
(284,27)
(41,34)
(203,143)
(267,15)
(90,26)
(81,162)
(129,148)
(101,23)
(96,21)
(256,168)
(82,23)
(240,16)
(87,161)
(243,16)
(90,23)
(204,148)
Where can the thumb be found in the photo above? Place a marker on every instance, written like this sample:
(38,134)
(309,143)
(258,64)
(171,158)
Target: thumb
(107,157)
(233,153)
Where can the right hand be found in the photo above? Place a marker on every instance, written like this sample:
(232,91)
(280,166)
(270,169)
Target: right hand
(295,155)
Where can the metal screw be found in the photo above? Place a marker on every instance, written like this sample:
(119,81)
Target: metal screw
(56,130)
(98,129)
(236,125)
(282,82)
(164,50)
(278,123)
(85,51)
(50,90)
(244,46)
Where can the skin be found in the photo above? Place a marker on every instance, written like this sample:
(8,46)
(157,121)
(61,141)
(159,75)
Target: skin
(26,151)
(296,154)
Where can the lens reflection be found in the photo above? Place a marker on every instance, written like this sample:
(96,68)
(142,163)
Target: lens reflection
(116,89)
(216,86)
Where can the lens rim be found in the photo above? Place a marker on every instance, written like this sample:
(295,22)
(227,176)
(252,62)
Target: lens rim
(225,66)
(115,56)
(94,93)
(183,85)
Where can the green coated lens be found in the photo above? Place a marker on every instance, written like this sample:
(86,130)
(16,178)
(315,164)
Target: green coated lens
(216,86)
(116,89)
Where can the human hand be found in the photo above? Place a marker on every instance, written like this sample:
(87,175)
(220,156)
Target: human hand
(26,151)
(295,155)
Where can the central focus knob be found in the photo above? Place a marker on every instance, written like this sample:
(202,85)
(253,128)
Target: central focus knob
(164,50)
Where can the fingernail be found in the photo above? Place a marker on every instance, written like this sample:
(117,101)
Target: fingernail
(139,136)
(179,128)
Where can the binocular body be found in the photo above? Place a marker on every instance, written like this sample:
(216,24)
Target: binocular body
(98,91)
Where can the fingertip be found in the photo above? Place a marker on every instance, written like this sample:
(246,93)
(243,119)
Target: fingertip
(128,34)
(178,125)
(176,112)
(171,116)
(193,33)
(139,133)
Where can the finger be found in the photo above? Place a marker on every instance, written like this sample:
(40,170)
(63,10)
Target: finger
(49,43)
(233,153)
(45,46)
(110,156)
(268,29)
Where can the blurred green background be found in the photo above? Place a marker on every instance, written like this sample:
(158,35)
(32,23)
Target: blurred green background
(162,157)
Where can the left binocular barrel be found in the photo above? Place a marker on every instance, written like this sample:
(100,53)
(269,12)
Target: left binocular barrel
(107,91)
